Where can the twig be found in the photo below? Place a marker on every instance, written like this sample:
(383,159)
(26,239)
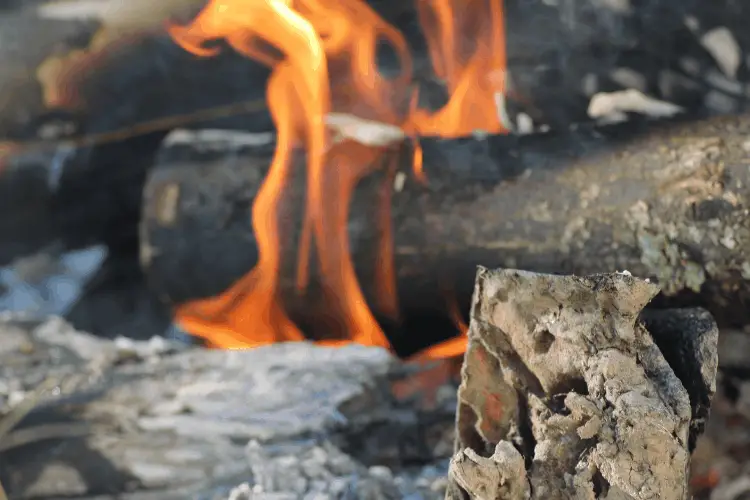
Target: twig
(150,126)
(22,437)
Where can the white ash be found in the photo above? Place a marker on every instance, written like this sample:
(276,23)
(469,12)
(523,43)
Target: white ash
(368,132)
(219,139)
(722,45)
(155,420)
(524,124)
(311,471)
(629,79)
(611,107)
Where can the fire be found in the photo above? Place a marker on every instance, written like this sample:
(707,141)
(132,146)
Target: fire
(323,59)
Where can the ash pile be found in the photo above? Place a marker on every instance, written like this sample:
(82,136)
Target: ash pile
(153,419)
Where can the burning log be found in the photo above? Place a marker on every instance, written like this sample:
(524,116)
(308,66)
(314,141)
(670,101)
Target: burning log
(327,66)
(668,202)
(94,85)
(565,393)
(88,90)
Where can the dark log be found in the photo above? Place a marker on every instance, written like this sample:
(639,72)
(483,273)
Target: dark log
(85,99)
(106,66)
(117,301)
(63,55)
(664,201)
(100,83)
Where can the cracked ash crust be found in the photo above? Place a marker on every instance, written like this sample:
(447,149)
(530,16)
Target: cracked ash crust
(565,394)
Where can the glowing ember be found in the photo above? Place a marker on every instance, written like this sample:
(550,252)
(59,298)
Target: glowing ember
(326,95)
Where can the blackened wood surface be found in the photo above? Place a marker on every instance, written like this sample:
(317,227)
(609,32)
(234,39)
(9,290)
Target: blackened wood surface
(112,61)
(85,99)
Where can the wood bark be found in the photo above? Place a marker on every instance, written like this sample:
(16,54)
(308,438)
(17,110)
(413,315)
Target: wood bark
(664,201)
(567,394)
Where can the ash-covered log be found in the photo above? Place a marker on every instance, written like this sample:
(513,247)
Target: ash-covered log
(291,420)
(669,202)
(565,393)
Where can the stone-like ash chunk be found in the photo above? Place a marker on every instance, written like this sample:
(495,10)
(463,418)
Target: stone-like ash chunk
(562,376)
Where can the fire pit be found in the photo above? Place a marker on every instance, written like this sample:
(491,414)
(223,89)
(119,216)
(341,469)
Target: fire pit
(306,188)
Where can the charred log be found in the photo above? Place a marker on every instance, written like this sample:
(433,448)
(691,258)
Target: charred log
(117,300)
(105,58)
(668,202)
(107,67)
(85,99)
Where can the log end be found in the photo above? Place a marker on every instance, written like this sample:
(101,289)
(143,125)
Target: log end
(563,376)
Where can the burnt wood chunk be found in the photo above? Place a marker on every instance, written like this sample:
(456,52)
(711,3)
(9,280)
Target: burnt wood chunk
(566,394)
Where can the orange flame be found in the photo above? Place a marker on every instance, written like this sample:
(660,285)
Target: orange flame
(323,59)
(474,73)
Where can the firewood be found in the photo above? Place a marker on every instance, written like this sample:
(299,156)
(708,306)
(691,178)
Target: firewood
(566,394)
(668,202)
(115,63)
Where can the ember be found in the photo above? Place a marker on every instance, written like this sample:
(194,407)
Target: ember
(323,55)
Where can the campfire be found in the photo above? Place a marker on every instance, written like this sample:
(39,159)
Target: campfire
(535,198)
(327,94)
